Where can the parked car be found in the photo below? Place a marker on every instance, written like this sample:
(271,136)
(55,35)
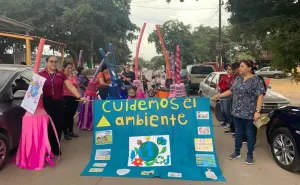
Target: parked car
(271,73)
(198,73)
(283,135)
(14,82)
(208,88)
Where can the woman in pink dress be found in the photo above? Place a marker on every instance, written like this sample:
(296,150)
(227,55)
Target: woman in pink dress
(70,101)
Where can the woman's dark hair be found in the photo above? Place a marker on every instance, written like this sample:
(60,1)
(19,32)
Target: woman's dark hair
(228,66)
(104,66)
(132,87)
(66,64)
(48,57)
(251,64)
(80,69)
(235,65)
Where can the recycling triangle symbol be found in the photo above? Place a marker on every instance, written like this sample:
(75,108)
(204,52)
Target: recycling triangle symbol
(103,122)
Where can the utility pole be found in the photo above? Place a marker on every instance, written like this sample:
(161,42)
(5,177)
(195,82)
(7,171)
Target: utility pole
(220,32)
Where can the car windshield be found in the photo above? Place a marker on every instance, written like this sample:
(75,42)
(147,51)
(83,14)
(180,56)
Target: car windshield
(5,75)
(202,70)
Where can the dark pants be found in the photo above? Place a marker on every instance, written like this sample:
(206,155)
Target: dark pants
(242,127)
(55,109)
(226,104)
(103,93)
(70,109)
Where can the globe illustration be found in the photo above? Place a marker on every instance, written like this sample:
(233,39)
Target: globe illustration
(148,151)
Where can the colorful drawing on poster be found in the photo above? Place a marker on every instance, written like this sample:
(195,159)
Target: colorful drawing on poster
(204,145)
(102,154)
(174,175)
(203,130)
(147,173)
(103,122)
(103,137)
(102,165)
(210,174)
(206,160)
(123,172)
(96,170)
(146,151)
(202,115)
(33,94)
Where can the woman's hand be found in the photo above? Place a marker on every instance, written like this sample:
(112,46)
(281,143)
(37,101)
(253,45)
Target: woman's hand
(216,97)
(84,100)
(257,115)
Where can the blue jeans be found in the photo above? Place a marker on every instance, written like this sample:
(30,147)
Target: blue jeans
(225,104)
(242,127)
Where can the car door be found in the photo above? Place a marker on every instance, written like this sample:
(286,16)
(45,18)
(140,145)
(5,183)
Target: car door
(205,86)
(265,72)
(14,113)
(213,88)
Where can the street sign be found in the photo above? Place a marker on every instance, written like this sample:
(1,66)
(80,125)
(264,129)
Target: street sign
(219,45)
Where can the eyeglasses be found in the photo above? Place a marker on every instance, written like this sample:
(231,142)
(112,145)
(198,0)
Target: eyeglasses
(53,61)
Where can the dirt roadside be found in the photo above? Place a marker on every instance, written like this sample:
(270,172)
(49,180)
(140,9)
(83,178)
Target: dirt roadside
(287,89)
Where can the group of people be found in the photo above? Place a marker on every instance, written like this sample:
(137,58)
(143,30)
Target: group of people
(67,92)
(241,97)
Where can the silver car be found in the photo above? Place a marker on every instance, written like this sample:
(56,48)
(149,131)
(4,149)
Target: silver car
(271,73)
(208,88)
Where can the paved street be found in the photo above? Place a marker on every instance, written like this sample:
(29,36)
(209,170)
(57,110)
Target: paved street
(76,155)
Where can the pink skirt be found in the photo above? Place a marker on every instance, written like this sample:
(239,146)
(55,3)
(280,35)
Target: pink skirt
(34,147)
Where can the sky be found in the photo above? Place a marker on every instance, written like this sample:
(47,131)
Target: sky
(158,11)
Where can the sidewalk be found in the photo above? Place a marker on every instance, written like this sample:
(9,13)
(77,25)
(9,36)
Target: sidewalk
(76,154)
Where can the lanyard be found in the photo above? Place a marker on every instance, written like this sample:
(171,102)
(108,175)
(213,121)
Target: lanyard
(52,77)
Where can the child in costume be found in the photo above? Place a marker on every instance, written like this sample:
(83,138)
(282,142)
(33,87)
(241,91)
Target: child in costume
(87,110)
(132,92)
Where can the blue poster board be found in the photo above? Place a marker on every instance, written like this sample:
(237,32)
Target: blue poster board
(146,138)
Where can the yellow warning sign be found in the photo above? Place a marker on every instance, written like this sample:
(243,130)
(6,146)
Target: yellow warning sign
(103,122)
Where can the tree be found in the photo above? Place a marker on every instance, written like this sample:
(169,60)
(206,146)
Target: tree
(81,24)
(142,62)
(175,33)
(157,61)
(275,24)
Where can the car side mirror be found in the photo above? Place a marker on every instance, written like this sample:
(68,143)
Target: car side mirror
(19,95)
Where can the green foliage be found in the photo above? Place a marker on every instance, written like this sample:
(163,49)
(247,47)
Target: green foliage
(198,45)
(157,61)
(274,24)
(77,23)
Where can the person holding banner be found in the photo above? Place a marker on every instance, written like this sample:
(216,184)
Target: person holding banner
(104,81)
(53,99)
(248,92)
(71,104)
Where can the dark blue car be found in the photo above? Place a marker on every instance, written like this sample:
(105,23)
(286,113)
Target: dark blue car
(283,134)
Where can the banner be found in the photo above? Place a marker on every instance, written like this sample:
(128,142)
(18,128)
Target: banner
(146,138)
(33,94)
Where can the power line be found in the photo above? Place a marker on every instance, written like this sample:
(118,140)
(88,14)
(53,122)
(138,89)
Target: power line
(159,8)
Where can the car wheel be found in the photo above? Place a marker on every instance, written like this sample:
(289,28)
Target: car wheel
(218,111)
(276,76)
(4,150)
(284,150)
